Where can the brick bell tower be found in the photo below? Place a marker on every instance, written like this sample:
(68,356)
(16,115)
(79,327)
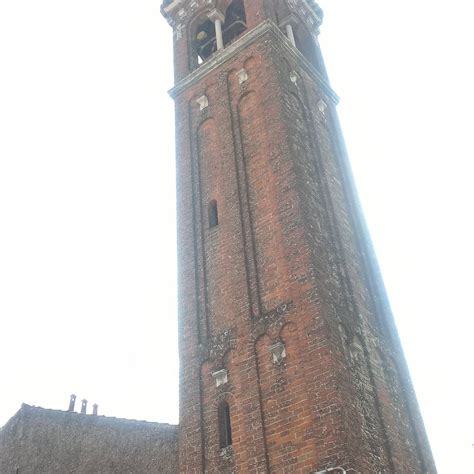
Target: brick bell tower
(290,360)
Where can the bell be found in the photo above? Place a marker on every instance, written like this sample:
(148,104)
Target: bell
(201,36)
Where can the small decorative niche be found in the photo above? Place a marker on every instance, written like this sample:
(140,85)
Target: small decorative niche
(203,102)
(278,352)
(243,76)
(220,377)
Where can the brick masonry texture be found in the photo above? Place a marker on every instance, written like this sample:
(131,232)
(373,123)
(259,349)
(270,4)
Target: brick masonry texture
(38,441)
(290,262)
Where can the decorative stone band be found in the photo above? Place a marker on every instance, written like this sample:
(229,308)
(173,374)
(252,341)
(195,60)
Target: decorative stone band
(225,55)
(174,10)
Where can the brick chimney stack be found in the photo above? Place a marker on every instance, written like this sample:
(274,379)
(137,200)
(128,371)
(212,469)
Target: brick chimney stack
(84,407)
(72,403)
(95,409)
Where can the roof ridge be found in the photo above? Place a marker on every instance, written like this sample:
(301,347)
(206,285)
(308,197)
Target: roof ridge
(26,406)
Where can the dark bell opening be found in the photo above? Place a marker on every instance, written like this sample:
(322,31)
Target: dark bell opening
(205,40)
(205,43)
(235,21)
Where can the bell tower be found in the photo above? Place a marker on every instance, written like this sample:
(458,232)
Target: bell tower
(290,359)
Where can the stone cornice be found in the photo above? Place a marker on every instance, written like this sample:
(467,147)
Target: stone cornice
(232,50)
(172,6)
(317,18)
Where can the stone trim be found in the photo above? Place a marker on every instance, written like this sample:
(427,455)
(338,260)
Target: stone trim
(220,377)
(232,50)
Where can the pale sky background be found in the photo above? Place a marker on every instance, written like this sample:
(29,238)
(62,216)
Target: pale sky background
(87,205)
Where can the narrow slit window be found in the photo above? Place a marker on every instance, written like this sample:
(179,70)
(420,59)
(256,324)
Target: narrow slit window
(213,215)
(225,430)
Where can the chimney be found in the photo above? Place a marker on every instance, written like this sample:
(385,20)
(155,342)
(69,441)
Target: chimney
(72,403)
(84,407)
(95,409)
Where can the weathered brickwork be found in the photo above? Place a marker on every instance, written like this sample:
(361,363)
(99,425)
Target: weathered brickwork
(37,441)
(282,313)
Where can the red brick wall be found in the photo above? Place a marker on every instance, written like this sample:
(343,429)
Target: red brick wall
(287,263)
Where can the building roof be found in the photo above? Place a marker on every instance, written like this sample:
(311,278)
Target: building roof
(42,440)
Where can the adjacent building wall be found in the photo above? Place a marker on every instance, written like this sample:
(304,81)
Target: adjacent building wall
(36,441)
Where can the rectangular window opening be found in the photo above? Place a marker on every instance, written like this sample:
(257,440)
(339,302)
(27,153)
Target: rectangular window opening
(225,430)
(213,215)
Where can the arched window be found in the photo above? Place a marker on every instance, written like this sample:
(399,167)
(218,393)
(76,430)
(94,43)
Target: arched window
(213,214)
(204,41)
(206,37)
(235,21)
(225,429)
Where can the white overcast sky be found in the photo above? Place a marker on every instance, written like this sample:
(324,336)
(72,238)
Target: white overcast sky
(87,223)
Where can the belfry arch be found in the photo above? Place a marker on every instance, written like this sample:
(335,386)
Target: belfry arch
(215,28)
